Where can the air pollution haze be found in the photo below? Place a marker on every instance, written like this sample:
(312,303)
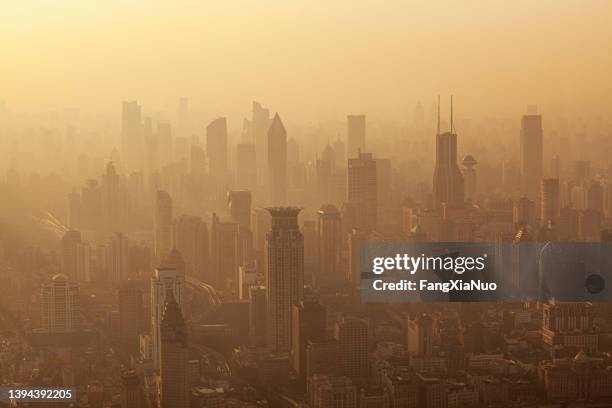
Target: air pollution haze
(205,203)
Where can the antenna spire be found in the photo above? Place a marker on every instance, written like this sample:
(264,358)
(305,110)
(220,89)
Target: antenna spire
(438,114)
(451,116)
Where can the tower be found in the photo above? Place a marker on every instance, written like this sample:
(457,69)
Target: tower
(60,305)
(191,240)
(469,176)
(352,336)
(448,187)
(329,233)
(277,161)
(216,148)
(175,387)
(531,154)
(284,275)
(131,134)
(362,190)
(550,208)
(356,135)
(163,225)
(130,316)
(164,283)
(239,203)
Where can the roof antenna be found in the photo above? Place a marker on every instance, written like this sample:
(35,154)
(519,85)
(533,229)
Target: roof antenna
(438,114)
(451,118)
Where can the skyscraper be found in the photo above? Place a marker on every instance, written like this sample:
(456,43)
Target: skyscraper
(469,176)
(257,314)
(329,231)
(163,282)
(352,336)
(284,275)
(448,187)
(216,148)
(277,161)
(191,240)
(362,191)
(356,135)
(60,305)
(131,391)
(531,154)
(309,321)
(163,225)
(75,257)
(419,335)
(239,203)
(131,134)
(175,386)
(130,316)
(550,207)
(260,124)
(118,261)
(246,166)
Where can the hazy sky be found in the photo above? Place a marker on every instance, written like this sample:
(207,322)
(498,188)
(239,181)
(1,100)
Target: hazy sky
(319,57)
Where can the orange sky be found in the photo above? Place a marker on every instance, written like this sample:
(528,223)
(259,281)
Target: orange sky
(309,60)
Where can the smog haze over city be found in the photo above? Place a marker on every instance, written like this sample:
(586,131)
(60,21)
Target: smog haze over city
(206,203)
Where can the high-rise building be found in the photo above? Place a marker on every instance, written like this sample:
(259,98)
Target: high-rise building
(257,315)
(321,357)
(356,135)
(216,148)
(239,203)
(191,240)
(60,305)
(249,276)
(524,212)
(448,183)
(277,161)
(531,154)
(131,391)
(175,389)
(130,316)
(131,134)
(329,232)
(284,275)
(163,225)
(419,336)
(567,326)
(75,257)
(246,166)
(469,177)
(352,337)
(164,281)
(331,392)
(362,191)
(309,321)
(224,240)
(550,206)
(118,257)
(260,124)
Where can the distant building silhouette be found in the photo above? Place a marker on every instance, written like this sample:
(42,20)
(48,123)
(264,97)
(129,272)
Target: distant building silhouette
(131,309)
(277,161)
(216,148)
(356,135)
(362,187)
(163,225)
(448,183)
(531,154)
